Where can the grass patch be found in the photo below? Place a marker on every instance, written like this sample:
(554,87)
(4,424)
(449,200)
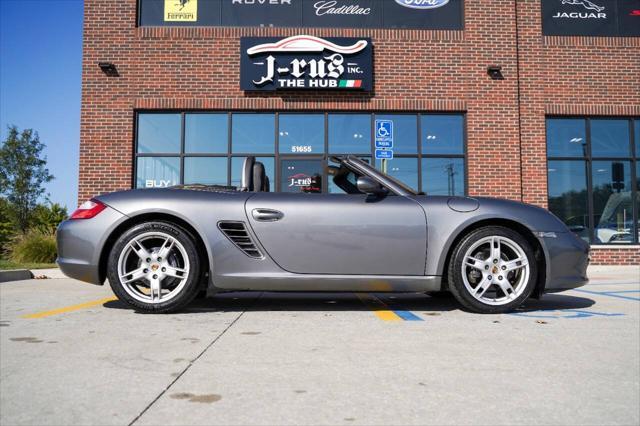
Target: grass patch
(9,264)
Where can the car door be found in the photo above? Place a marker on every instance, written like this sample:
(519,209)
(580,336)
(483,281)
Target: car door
(340,234)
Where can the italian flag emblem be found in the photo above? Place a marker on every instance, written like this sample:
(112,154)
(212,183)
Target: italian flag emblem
(351,83)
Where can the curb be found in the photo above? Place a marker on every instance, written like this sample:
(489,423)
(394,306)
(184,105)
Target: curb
(15,275)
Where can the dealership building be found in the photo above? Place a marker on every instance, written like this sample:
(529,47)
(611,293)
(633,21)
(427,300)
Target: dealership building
(531,100)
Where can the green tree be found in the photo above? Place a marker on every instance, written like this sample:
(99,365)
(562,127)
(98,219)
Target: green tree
(23,173)
(7,228)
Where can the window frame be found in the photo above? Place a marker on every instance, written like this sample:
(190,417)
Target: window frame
(589,159)
(276,155)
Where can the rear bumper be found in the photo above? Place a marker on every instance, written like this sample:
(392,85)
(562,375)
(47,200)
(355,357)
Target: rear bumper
(568,258)
(80,245)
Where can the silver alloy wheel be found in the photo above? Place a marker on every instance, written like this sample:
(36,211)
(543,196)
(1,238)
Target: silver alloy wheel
(495,270)
(153,267)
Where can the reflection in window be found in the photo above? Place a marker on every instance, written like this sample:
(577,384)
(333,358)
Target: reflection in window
(159,133)
(253,133)
(236,171)
(157,172)
(610,138)
(599,209)
(205,170)
(301,176)
(206,133)
(351,177)
(566,137)
(568,195)
(442,134)
(612,202)
(349,133)
(443,176)
(301,133)
(405,132)
(403,169)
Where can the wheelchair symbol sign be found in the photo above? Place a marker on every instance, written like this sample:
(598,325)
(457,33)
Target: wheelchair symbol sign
(384,134)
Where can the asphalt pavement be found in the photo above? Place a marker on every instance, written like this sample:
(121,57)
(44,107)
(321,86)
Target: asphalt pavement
(71,354)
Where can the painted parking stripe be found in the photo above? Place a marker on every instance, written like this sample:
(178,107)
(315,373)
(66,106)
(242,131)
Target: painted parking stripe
(70,308)
(382,311)
(378,308)
(610,294)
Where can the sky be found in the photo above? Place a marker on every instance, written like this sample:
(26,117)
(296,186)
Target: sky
(40,82)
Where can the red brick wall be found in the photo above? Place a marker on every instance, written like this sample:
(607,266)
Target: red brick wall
(197,68)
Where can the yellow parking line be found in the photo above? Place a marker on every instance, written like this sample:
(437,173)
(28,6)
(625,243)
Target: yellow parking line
(378,307)
(70,308)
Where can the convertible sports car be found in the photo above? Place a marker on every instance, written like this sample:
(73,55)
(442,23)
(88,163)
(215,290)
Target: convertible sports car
(160,248)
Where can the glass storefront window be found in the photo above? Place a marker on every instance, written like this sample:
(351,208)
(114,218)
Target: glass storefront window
(301,133)
(253,133)
(205,170)
(200,147)
(612,202)
(610,138)
(206,133)
(236,170)
(157,172)
(600,209)
(443,176)
(301,176)
(442,134)
(403,169)
(637,134)
(566,138)
(349,133)
(405,132)
(159,133)
(568,196)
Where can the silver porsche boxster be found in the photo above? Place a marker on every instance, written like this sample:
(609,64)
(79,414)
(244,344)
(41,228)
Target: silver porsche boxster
(160,248)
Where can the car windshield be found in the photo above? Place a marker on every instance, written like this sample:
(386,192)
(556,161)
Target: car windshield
(372,171)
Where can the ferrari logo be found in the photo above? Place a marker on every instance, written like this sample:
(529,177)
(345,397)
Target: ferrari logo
(181,10)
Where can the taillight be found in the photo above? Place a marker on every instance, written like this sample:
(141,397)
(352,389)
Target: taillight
(88,209)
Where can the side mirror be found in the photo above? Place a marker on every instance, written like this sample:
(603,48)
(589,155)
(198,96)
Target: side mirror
(369,186)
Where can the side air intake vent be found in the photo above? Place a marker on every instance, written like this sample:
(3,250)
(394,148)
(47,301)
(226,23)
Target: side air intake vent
(237,233)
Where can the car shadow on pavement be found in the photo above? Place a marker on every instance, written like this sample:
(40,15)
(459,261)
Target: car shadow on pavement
(336,302)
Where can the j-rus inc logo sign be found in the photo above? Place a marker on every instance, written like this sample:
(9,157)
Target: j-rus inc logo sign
(305,62)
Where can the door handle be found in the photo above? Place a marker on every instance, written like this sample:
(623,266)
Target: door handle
(267,215)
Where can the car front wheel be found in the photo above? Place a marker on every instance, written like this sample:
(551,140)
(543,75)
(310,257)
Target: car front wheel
(493,270)
(154,267)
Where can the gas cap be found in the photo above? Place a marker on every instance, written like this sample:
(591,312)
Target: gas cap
(463,204)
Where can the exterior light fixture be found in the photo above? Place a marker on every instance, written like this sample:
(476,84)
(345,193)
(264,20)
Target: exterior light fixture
(109,69)
(495,72)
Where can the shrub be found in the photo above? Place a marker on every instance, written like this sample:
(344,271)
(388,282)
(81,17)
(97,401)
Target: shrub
(45,218)
(33,247)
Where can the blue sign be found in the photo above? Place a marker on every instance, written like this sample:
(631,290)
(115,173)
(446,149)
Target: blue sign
(384,134)
(384,154)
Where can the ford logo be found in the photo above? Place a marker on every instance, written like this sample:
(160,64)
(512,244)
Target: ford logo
(422,4)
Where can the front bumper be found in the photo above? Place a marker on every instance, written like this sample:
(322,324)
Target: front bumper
(80,244)
(568,258)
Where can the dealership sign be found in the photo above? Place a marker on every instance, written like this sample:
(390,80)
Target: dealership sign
(305,62)
(608,18)
(415,14)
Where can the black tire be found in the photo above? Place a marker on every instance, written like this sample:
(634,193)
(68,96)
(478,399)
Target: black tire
(455,279)
(195,275)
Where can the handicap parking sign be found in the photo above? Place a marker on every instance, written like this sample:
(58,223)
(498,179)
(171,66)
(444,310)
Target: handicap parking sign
(384,134)
(384,154)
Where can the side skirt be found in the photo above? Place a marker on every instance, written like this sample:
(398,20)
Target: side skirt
(308,282)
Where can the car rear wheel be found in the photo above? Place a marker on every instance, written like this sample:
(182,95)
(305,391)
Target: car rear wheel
(493,270)
(154,267)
